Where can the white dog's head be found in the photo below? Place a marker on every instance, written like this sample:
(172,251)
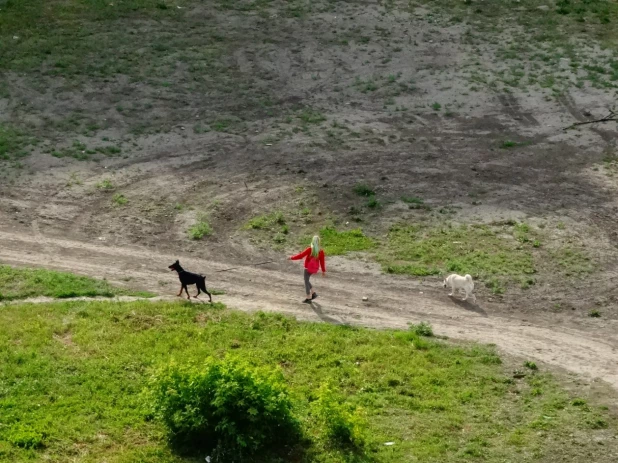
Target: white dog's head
(445,282)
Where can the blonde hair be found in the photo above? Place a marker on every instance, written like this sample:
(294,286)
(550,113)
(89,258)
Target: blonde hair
(315,246)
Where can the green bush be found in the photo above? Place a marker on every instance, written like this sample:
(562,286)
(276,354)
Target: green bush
(223,405)
(342,423)
(200,229)
(422,329)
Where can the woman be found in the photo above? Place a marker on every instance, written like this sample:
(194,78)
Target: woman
(314,259)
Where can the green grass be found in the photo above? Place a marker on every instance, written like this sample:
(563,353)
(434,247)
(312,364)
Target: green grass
(119,199)
(200,229)
(508,144)
(72,377)
(13,143)
(477,250)
(105,184)
(415,203)
(21,283)
(266,221)
(337,242)
(362,189)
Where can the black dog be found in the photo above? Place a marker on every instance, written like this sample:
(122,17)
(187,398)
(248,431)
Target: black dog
(188,278)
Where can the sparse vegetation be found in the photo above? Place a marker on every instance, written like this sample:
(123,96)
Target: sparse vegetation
(119,199)
(13,143)
(362,189)
(105,184)
(530,365)
(200,228)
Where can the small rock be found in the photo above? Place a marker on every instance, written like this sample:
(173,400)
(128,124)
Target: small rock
(389,443)
(587,113)
(365,298)
(15,37)
(543,8)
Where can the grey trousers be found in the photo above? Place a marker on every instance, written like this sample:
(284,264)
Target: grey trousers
(308,286)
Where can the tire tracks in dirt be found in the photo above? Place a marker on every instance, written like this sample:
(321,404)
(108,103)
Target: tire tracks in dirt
(393,302)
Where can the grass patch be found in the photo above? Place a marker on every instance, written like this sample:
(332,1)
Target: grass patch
(337,243)
(506,144)
(21,283)
(414,202)
(477,250)
(105,184)
(274,223)
(13,143)
(362,189)
(266,221)
(200,229)
(119,199)
(311,116)
(73,373)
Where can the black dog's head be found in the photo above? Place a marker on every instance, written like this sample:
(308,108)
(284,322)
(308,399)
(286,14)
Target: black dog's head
(175,267)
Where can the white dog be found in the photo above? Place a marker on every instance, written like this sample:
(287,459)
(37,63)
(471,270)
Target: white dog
(458,282)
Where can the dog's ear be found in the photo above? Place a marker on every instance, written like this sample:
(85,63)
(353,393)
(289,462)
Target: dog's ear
(177,261)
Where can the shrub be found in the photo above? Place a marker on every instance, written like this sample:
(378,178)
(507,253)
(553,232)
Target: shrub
(530,365)
(422,329)
(223,404)
(373,202)
(362,189)
(200,229)
(119,199)
(341,422)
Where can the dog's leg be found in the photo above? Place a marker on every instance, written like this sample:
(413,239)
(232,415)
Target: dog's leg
(452,290)
(180,292)
(209,296)
(187,291)
(198,291)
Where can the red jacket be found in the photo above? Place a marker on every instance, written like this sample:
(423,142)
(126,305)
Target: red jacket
(311,263)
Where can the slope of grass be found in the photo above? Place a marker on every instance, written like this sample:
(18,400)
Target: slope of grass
(21,283)
(71,377)
(479,250)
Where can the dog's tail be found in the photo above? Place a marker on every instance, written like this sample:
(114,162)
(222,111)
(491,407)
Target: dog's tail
(468,278)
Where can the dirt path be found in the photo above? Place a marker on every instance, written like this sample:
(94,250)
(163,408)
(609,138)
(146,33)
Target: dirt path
(588,348)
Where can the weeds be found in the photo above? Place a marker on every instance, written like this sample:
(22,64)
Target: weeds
(422,329)
(373,203)
(415,203)
(200,229)
(508,144)
(119,200)
(13,143)
(362,189)
(105,184)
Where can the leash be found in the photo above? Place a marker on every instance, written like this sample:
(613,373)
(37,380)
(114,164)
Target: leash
(234,268)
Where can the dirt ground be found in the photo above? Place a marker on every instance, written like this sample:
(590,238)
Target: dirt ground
(395,107)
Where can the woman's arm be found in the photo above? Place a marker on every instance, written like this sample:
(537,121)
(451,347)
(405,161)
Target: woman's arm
(322,261)
(305,253)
